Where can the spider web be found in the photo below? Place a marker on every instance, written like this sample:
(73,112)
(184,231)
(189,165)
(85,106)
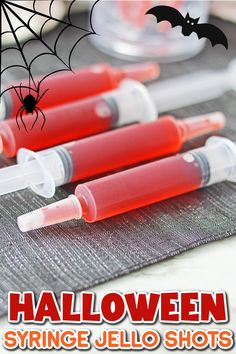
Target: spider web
(30,54)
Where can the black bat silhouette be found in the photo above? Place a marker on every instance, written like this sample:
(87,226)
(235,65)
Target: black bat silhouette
(189,24)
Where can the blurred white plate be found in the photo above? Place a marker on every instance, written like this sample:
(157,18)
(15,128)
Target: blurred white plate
(36,23)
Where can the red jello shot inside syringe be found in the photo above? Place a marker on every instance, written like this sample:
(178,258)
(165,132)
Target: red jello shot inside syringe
(103,153)
(128,104)
(119,193)
(141,186)
(66,87)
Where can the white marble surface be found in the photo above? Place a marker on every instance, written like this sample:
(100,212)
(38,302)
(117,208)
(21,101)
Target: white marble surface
(210,267)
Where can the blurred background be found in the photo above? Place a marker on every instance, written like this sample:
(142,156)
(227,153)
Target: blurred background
(124,29)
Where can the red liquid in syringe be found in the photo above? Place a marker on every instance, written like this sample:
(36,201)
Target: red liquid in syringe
(67,87)
(141,186)
(128,104)
(135,188)
(136,143)
(85,158)
(119,193)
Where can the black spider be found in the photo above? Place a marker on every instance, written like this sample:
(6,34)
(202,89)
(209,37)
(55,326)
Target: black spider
(29,105)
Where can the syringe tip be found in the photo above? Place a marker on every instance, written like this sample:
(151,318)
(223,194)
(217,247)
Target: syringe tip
(201,125)
(142,72)
(31,221)
(64,210)
(217,120)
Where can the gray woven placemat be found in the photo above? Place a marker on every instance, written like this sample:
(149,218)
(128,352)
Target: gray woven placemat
(76,255)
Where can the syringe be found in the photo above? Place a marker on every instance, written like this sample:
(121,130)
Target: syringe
(129,103)
(132,102)
(193,88)
(45,170)
(141,186)
(86,82)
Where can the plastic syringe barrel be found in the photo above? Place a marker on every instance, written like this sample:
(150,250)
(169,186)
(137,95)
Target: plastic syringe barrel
(192,88)
(118,193)
(72,86)
(128,104)
(136,143)
(141,186)
(157,181)
(105,152)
